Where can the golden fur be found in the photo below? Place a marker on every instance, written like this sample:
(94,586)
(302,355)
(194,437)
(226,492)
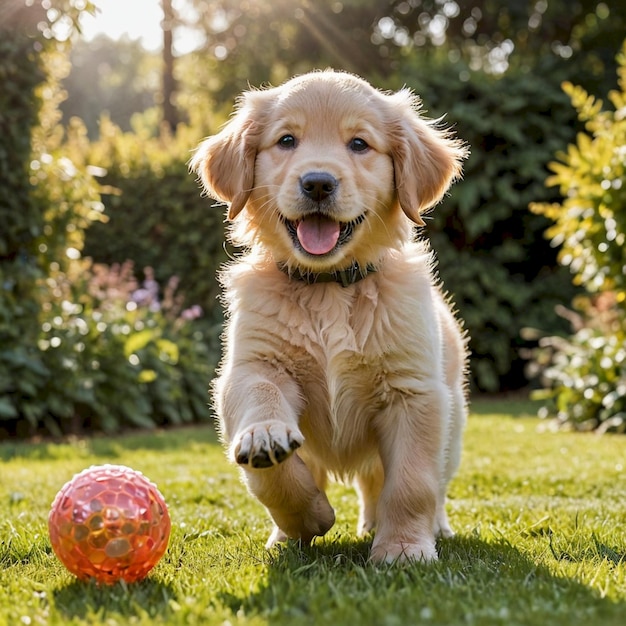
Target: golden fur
(364,382)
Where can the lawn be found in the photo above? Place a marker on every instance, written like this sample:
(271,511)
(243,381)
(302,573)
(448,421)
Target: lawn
(540,518)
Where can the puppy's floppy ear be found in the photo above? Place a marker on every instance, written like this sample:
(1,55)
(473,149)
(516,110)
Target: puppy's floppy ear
(426,158)
(225,162)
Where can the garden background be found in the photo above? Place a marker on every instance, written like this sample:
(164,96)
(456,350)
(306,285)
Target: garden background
(108,252)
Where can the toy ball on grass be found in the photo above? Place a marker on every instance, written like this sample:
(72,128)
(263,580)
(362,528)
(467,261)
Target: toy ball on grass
(109,523)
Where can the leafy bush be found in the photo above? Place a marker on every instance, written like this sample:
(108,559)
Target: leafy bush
(155,214)
(493,258)
(81,346)
(117,356)
(22,215)
(586,373)
(109,356)
(590,223)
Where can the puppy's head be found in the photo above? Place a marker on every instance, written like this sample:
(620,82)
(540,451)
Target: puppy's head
(325,170)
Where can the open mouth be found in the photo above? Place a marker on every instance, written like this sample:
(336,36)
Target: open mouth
(319,235)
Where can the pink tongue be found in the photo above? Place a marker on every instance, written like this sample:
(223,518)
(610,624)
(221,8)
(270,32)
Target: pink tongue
(318,235)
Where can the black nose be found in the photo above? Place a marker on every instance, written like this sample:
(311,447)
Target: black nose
(318,185)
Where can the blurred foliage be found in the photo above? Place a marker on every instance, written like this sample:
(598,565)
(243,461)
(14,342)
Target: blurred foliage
(21,73)
(492,256)
(260,41)
(155,214)
(586,375)
(111,358)
(494,34)
(27,48)
(21,217)
(74,356)
(493,69)
(266,41)
(256,41)
(118,78)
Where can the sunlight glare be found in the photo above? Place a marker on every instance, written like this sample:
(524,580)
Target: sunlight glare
(138,20)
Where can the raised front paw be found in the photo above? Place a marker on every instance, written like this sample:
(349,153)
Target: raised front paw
(265,444)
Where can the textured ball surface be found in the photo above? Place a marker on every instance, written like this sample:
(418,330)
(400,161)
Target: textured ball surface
(109,523)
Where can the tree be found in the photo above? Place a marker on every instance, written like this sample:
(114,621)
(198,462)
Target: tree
(493,33)
(253,42)
(170,113)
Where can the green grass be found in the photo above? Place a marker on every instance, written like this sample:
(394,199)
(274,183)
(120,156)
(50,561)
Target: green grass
(540,518)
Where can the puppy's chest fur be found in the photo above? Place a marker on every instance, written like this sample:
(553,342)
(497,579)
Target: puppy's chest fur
(351,350)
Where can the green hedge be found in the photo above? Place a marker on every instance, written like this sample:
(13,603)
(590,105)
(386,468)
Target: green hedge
(155,213)
(493,256)
(21,72)
(80,350)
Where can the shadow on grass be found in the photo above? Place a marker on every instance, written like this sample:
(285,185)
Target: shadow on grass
(120,602)
(111,446)
(474,582)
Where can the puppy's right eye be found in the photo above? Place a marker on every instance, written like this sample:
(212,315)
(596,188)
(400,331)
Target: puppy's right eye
(358,145)
(287,141)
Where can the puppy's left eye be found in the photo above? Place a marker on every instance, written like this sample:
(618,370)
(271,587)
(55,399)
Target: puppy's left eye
(358,145)
(287,141)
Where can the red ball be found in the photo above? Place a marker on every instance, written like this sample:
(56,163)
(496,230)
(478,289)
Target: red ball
(109,523)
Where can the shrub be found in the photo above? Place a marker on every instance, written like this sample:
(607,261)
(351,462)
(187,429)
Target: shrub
(590,223)
(79,350)
(20,215)
(502,273)
(586,374)
(117,355)
(109,356)
(154,211)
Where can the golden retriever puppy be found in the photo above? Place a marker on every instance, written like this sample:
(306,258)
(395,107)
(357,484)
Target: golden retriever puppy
(342,357)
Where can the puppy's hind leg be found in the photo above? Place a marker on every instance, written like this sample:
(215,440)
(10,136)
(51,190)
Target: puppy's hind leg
(369,484)
(452,457)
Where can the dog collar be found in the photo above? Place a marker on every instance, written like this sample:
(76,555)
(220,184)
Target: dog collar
(345,278)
